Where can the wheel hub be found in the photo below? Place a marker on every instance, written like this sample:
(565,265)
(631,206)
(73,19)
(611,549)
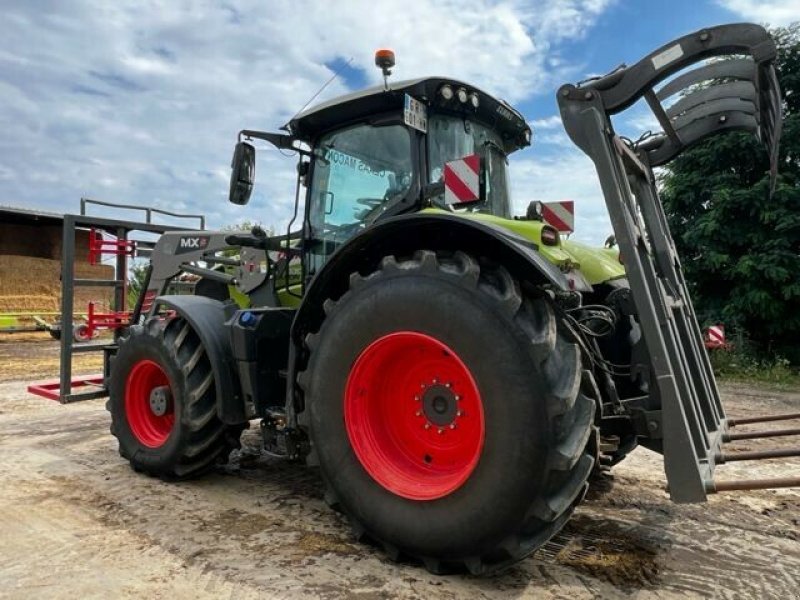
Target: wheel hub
(439,405)
(160,400)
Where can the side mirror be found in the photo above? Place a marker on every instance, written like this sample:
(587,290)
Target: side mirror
(243,173)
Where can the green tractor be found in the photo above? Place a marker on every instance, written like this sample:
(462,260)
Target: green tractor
(455,371)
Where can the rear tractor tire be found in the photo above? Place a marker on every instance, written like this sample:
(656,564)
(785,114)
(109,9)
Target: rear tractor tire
(163,402)
(446,412)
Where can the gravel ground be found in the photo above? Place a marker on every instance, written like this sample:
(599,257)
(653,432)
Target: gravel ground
(76,521)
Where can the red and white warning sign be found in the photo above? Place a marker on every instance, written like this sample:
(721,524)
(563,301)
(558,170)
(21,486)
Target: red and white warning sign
(461,180)
(560,215)
(715,337)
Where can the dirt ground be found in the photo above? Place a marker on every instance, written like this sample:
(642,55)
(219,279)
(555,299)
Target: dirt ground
(77,522)
(35,355)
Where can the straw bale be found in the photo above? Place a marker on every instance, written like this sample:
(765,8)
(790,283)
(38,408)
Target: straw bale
(31,284)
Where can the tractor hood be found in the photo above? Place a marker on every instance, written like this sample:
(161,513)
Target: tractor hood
(597,265)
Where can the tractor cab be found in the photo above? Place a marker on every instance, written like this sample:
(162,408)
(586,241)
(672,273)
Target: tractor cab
(379,166)
(383,151)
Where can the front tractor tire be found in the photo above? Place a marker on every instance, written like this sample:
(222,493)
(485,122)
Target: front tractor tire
(446,412)
(162,401)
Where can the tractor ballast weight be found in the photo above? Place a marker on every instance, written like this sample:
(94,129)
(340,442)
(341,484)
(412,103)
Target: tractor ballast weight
(736,94)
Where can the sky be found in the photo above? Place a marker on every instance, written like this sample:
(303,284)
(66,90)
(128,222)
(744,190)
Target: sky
(140,101)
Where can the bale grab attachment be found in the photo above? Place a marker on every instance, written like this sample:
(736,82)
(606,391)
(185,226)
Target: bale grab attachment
(725,81)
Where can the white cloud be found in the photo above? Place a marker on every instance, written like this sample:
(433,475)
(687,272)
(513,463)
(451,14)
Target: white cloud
(551,122)
(771,12)
(140,101)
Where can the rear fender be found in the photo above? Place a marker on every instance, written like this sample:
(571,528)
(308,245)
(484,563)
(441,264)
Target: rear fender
(402,236)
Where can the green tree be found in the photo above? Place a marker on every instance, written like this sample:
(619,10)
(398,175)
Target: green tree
(136,276)
(247,225)
(740,247)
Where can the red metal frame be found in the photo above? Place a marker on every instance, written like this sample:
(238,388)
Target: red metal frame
(98,246)
(147,302)
(49,388)
(105,320)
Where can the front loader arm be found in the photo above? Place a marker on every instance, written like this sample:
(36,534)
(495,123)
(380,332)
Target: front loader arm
(737,89)
(202,254)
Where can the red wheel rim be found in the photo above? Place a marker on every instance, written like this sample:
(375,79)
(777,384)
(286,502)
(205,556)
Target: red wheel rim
(151,429)
(414,416)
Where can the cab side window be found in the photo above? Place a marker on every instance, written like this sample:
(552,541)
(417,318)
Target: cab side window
(357,172)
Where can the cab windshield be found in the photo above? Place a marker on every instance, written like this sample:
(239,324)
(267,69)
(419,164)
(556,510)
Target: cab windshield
(450,138)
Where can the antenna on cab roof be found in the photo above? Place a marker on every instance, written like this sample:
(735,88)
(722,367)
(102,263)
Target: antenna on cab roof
(319,91)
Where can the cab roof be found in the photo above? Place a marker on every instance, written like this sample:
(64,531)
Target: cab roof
(497,114)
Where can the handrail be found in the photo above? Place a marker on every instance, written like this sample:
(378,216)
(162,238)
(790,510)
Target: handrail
(149,211)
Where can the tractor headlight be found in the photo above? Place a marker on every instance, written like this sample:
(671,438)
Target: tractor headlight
(462,95)
(549,236)
(446,92)
(474,100)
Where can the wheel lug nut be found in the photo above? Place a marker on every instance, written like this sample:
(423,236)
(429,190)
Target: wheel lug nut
(435,381)
(416,398)
(452,425)
(458,398)
(459,413)
(448,384)
(427,425)
(440,430)
(418,413)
